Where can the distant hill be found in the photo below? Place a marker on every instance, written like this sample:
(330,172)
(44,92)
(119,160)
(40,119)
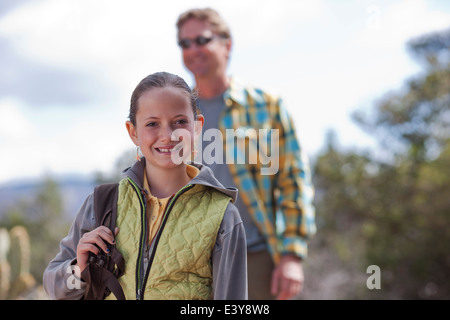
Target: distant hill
(73,188)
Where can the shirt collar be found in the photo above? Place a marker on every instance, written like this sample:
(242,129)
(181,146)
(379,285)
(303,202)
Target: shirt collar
(191,171)
(236,92)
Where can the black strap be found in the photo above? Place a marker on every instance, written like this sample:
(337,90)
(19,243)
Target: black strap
(100,283)
(102,279)
(105,205)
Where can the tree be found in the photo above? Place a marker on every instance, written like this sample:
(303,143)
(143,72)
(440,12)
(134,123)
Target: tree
(417,119)
(393,212)
(406,221)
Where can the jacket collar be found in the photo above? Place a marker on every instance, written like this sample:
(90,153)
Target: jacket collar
(136,172)
(205,177)
(236,92)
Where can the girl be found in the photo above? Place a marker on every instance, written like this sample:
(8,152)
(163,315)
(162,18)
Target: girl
(177,227)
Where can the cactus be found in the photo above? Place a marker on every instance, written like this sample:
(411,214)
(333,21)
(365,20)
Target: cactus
(5,269)
(15,277)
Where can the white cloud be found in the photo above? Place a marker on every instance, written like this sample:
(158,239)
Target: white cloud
(391,25)
(259,23)
(14,125)
(59,141)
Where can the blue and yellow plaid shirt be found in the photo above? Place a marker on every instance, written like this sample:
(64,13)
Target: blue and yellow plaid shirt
(281,202)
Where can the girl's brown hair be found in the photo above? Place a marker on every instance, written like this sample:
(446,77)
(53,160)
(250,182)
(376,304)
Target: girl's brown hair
(160,80)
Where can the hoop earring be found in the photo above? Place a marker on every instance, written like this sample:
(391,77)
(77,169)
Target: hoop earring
(138,157)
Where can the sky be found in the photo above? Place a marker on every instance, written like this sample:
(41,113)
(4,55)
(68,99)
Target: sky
(68,68)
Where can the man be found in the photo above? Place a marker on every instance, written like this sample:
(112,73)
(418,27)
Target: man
(275,250)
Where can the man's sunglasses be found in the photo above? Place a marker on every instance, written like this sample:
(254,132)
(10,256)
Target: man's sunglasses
(199,41)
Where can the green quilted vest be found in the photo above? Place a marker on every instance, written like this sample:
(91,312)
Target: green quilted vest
(179,259)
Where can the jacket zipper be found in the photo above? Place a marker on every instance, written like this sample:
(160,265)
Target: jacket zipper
(141,278)
(143,238)
(155,241)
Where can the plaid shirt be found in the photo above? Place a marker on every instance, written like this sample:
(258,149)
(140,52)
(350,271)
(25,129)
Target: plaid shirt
(280,203)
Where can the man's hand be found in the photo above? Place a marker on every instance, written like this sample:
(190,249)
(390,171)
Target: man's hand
(287,278)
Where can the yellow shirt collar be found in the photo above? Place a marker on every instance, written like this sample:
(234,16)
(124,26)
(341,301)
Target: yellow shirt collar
(191,171)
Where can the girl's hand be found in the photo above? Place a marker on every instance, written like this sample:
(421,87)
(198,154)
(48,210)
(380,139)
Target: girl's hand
(91,242)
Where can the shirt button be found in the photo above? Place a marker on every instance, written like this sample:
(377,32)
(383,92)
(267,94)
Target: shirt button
(153,218)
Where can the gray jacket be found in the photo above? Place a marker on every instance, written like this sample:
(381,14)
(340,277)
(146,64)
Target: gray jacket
(229,257)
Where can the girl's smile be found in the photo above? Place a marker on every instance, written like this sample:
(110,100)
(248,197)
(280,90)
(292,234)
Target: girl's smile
(169,149)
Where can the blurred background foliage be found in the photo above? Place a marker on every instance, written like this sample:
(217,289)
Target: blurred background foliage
(387,207)
(391,208)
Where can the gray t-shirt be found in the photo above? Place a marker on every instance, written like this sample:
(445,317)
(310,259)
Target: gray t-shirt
(211,110)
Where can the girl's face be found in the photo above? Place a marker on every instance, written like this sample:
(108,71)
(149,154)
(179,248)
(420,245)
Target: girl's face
(165,127)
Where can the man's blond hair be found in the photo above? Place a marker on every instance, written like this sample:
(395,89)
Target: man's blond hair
(218,24)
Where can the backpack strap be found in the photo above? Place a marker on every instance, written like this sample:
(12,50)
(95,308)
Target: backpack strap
(103,270)
(105,208)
